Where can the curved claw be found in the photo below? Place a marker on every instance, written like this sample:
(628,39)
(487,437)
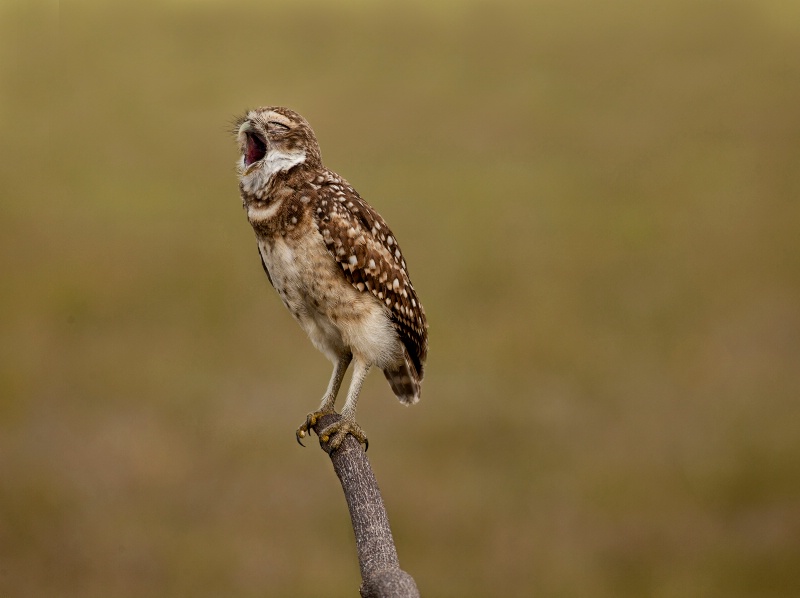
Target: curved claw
(311,420)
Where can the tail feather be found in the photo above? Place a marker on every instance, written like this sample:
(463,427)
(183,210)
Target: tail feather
(405,381)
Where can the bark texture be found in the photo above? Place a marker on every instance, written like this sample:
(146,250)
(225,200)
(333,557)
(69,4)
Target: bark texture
(381,576)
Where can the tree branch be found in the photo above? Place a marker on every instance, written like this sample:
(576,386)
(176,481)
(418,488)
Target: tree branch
(381,576)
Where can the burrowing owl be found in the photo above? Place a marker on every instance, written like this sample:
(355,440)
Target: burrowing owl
(334,262)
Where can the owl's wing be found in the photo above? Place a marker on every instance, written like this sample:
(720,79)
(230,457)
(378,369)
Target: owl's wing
(366,250)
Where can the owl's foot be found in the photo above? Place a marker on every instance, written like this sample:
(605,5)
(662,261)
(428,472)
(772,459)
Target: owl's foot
(311,421)
(335,433)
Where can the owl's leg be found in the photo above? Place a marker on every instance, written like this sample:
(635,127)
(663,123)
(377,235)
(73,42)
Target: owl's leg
(328,399)
(347,425)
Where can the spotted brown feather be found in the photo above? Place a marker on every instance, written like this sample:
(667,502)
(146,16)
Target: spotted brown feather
(366,250)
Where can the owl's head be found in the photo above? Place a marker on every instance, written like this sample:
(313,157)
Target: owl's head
(272,139)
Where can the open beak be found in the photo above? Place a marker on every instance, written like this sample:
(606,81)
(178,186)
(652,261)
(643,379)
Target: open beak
(255,146)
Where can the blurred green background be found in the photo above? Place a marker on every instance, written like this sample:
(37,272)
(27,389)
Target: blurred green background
(599,206)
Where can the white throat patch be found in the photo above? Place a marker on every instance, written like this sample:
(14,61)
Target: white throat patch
(256,179)
(276,160)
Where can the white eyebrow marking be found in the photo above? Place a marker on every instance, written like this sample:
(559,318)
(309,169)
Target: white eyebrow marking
(279,118)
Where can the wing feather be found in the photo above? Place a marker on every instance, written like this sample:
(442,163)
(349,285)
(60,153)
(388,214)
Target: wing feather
(370,258)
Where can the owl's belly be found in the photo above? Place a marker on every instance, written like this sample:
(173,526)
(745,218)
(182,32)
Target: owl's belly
(337,317)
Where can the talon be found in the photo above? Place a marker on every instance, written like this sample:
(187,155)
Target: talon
(308,425)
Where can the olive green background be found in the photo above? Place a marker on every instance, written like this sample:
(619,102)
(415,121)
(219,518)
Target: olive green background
(598,203)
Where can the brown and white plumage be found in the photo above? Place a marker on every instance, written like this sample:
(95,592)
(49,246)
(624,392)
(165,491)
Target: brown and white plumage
(333,260)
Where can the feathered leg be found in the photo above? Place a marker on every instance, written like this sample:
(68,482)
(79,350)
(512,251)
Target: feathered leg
(329,399)
(347,425)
